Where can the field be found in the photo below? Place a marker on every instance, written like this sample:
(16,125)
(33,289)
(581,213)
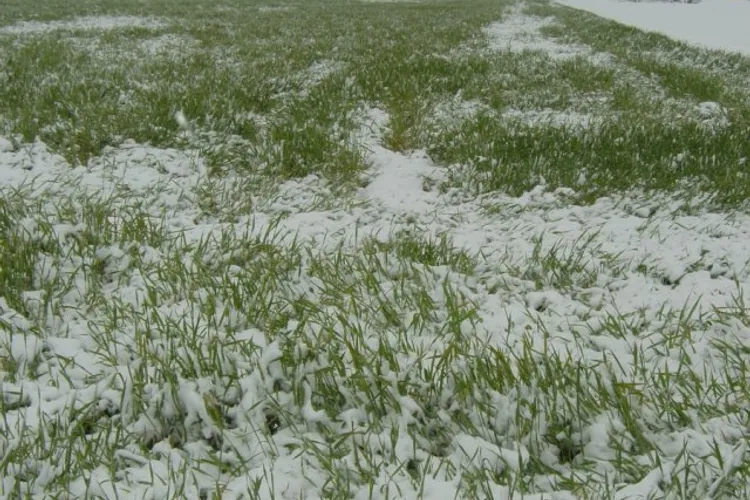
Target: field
(371,249)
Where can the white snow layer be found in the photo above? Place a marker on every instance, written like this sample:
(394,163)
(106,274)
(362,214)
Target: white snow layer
(668,263)
(715,24)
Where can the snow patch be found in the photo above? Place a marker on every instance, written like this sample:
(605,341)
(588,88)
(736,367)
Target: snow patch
(399,183)
(167,44)
(274,8)
(451,112)
(551,118)
(519,33)
(161,175)
(712,115)
(88,23)
(714,24)
(321,70)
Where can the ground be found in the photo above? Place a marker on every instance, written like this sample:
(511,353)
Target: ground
(369,249)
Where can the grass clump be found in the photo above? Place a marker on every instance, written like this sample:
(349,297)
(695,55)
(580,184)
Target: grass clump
(615,156)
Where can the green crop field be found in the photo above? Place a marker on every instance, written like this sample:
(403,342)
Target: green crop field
(342,249)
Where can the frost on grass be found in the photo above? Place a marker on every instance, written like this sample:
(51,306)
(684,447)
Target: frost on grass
(88,23)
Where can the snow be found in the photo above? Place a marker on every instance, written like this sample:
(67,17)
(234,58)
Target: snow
(551,118)
(399,182)
(668,261)
(274,8)
(88,23)
(520,33)
(668,245)
(167,44)
(317,73)
(714,24)
(161,176)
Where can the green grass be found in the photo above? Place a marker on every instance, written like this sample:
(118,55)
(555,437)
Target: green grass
(162,341)
(83,101)
(618,155)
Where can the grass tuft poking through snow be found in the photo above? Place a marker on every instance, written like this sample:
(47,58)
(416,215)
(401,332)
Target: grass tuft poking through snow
(363,250)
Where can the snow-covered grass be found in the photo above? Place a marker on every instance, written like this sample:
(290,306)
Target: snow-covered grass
(345,249)
(716,24)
